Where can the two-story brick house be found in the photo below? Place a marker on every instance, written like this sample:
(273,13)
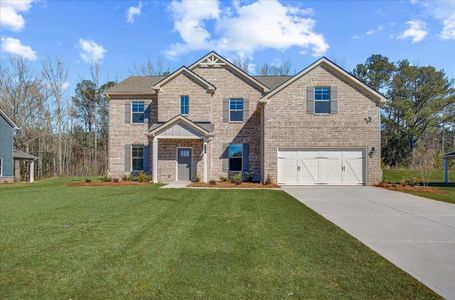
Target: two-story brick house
(211,119)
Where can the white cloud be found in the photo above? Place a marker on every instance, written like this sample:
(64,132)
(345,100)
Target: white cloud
(371,31)
(10,11)
(91,52)
(66,85)
(444,11)
(15,47)
(243,29)
(133,12)
(416,31)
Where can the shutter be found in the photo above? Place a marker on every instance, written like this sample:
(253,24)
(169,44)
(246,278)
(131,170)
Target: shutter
(246,110)
(246,158)
(147,113)
(127,112)
(127,158)
(310,100)
(333,100)
(225,157)
(225,110)
(146,159)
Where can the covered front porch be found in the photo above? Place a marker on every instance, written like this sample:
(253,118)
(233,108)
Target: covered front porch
(180,150)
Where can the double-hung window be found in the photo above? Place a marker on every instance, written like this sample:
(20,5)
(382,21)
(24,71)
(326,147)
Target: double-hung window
(1,166)
(322,100)
(137,157)
(184,105)
(235,157)
(137,109)
(236,110)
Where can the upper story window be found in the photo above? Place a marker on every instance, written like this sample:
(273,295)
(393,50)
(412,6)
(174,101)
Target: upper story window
(235,157)
(137,112)
(184,105)
(137,157)
(236,109)
(322,100)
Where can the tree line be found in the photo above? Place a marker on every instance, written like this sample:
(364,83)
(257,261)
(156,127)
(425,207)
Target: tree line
(68,130)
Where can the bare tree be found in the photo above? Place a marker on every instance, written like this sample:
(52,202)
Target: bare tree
(55,75)
(151,68)
(274,70)
(243,64)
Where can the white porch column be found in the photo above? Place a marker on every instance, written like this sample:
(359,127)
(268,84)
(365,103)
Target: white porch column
(31,170)
(205,149)
(446,170)
(155,159)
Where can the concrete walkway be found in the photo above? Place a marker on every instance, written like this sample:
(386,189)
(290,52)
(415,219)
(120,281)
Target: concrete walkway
(176,185)
(416,234)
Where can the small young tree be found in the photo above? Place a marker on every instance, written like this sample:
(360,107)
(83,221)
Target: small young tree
(424,158)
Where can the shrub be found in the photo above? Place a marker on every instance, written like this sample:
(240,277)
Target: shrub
(88,180)
(124,178)
(268,180)
(115,180)
(223,179)
(141,177)
(411,181)
(237,178)
(197,179)
(105,178)
(212,182)
(248,176)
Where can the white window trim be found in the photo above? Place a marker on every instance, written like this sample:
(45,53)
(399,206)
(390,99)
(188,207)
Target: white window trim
(229,158)
(329,100)
(131,108)
(1,166)
(243,103)
(132,158)
(181,105)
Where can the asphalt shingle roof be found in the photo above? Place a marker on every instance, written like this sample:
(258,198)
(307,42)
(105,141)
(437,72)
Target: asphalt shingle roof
(144,84)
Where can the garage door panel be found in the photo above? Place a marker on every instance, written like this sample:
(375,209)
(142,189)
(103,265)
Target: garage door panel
(287,167)
(334,167)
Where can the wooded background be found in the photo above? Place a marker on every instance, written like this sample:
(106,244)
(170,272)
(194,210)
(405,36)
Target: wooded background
(68,130)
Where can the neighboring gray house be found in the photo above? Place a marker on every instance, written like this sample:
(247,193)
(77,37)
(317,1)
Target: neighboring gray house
(7,129)
(211,119)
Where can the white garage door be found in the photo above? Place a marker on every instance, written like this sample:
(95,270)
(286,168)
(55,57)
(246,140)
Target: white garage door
(307,167)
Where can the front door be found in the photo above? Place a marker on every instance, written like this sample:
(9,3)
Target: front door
(184,164)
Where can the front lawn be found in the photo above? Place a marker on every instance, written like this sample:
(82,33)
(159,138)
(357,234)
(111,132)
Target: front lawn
(70,242)
(445,193)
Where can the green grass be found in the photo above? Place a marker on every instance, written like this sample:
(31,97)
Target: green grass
(436,181)
(143,242)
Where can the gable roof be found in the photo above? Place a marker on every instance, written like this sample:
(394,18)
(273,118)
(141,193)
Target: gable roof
(271,81)
(135,85)
(214,59)
(208,86)
(7,119)
(324,60)
(154,130)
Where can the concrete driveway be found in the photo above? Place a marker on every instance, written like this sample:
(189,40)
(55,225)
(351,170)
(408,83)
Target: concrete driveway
(416,234)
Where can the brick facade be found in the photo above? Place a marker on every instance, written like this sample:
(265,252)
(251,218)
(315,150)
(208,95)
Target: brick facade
(281,122)
(287,123)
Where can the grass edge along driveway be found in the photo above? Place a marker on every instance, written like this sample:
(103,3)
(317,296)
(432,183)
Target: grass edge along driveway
(143,242)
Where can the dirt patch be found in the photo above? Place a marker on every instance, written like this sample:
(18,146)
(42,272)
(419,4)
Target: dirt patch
(409,188)
(227,184)
(100,183)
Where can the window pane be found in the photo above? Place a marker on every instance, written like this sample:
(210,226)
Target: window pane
(184,105)
(138,106)
(236,115)
(138,164)
(137,152)
(138,117)
(235,150)
(322,93)
(322,107)
(235,164)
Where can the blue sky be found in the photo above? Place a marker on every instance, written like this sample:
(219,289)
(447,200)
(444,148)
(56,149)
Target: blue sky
(120,34)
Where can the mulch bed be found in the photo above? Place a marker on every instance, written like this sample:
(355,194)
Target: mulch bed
(409,188)
(101,183)
(227,184)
